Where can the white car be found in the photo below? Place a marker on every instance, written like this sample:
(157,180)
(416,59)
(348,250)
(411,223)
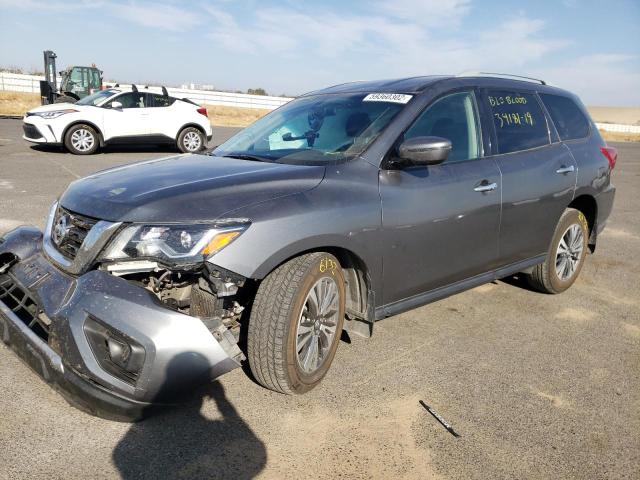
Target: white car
(120,115)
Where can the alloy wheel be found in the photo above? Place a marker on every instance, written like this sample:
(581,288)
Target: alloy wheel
(317,324)
(569,252)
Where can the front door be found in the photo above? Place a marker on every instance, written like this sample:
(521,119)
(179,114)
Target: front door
(132,119)
(441,222)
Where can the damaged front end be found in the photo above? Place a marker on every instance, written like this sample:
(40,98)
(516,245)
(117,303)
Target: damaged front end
(120,317)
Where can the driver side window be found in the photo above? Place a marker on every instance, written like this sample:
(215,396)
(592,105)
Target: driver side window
(131,100)
(452,117)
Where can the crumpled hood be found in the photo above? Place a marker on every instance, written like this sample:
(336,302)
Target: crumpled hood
(185,188)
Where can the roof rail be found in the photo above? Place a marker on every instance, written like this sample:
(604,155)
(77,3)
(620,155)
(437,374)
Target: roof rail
(505,75)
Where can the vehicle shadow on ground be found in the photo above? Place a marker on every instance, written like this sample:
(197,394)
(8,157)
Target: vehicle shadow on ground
(166,149)
(182,443)
(518,280)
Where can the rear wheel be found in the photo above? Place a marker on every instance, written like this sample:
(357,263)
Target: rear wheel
(81,139)
(566,254)
(191,140)
(296,322)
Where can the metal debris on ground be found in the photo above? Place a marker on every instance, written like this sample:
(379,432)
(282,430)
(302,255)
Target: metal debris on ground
(442,421)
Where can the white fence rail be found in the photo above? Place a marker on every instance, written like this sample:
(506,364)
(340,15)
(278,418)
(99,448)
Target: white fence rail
(14,82)
(618,127)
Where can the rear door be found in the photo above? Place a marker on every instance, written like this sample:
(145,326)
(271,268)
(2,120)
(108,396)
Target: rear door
(538,173)
(129,121)
(441,222)
(165,118)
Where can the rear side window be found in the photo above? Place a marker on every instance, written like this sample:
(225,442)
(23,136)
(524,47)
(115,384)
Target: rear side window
(161,100)
(569,120)
(519,120)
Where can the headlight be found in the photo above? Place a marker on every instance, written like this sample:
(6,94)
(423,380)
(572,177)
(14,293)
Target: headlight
(173,243)
(54,113)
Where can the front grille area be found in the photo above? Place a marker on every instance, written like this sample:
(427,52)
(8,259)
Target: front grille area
(31,131)
(22,304)
(69,231)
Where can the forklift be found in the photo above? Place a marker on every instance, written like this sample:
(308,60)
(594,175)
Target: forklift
(76,82)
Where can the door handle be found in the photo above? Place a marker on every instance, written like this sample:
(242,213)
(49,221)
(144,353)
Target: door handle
(564,169)
(485,187)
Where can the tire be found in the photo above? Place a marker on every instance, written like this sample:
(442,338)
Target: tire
(562,266)
(283,305)
(82,139)
(65,99)
(191,140)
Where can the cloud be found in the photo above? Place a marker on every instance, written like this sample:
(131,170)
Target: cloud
(427,12)
(156,15)
(145,14)
(44,5)
(599,79)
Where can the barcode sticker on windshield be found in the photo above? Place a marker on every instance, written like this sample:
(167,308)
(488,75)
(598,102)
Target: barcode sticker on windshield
(388,97)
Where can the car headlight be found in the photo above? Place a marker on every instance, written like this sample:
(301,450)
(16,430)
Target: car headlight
(173,243)
(54,113)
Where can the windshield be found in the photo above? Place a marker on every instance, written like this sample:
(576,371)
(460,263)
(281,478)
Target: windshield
(317,129)
(97,97)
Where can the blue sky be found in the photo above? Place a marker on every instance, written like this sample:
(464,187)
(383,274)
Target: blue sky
(289,47)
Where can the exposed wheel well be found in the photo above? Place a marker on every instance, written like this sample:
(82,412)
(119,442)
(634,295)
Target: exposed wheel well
(82,122)
(359,304)
(589,208)
(195,125)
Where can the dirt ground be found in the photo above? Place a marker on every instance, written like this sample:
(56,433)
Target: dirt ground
(17,103)
(623,115)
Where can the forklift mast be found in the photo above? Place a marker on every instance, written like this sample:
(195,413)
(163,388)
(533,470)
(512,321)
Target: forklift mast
(49,86)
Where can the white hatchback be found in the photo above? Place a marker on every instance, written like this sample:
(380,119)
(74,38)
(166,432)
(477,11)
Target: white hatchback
(120,115)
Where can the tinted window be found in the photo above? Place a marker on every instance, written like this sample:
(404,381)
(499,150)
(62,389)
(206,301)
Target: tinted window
(569,120)
(161,100)
(131,100)
(317,129)
(519,120)
(454,118)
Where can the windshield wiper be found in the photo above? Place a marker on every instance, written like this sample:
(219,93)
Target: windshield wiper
(243,156)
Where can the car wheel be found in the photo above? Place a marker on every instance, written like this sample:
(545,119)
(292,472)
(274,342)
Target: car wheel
(81,139)
(296,322)
(566,254)
(191,140)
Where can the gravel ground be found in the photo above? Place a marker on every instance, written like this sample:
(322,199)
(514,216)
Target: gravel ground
(537,386)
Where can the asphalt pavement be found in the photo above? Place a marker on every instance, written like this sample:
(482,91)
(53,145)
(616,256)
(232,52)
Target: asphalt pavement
(537,386)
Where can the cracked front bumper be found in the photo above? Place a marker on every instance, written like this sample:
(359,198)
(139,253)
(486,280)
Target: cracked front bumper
(44,319)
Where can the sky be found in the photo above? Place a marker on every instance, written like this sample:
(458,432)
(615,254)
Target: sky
(289,47)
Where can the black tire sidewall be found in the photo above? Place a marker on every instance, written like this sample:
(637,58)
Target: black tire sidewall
(300,381)
(72,149)
(183,133)
(569,218)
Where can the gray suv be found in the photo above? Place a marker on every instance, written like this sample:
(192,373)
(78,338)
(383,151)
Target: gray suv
(343,207)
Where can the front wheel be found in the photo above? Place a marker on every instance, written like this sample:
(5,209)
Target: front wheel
(566,254)
(81,139)
(296,322)
(191,140)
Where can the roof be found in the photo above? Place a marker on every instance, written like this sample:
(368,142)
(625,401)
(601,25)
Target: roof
(396,85)
(414,85)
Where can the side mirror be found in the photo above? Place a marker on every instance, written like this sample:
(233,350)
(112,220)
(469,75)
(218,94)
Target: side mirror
(425,150)
(116,105)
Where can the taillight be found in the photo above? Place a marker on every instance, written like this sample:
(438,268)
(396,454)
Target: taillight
(203,111)
(611,154)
